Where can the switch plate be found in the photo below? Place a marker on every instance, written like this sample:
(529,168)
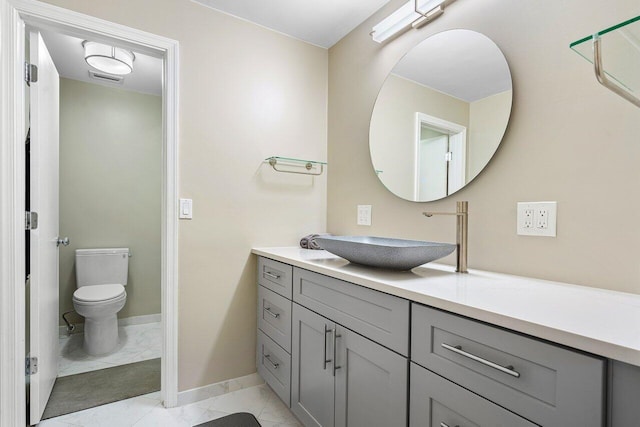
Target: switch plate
(364,214)
(186,209)
(537,218)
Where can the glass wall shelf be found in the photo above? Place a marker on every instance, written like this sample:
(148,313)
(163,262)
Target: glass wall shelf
(298,166)
(615,54)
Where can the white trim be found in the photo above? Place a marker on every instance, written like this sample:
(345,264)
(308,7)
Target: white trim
(13,15)
(12,271)
(218,389)
(460,146)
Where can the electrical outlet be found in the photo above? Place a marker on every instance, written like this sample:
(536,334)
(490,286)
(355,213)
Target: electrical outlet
(528,218)
(542,219)
(537,219)
(364,214)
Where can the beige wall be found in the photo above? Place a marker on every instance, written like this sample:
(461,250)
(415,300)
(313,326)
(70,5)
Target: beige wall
(487,118)
(569,140)
(110,176)
(246,93)
(393,128)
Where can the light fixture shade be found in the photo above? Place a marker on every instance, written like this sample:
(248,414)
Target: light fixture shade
(401,19)
(109,59)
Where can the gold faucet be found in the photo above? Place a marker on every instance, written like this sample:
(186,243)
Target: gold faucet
(462,225)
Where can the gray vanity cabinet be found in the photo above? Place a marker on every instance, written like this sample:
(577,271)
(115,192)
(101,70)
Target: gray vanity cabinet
(342,379)
(338,355)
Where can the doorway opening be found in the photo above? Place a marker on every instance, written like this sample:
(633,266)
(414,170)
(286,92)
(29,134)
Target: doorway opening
(20,18)
(95,179)
(440,157)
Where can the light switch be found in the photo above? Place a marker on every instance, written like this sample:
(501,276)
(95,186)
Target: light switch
(186,209)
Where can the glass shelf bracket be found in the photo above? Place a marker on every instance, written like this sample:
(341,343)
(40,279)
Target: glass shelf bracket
(621,73)
(311,167)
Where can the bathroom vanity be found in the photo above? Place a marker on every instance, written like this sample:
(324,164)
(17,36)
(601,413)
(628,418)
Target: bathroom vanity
(347,345)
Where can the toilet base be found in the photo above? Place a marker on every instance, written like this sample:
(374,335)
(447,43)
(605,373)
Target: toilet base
(100,335)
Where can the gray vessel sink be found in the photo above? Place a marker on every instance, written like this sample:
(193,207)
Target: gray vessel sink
(382,252)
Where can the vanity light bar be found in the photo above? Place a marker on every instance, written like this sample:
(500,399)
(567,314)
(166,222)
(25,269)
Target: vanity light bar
(411,14)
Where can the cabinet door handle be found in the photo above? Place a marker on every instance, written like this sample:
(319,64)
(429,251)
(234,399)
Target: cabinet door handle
(270,274)
(268,357)
(335,338)
(271,313)
(446,425)
(324,354)
(506,369)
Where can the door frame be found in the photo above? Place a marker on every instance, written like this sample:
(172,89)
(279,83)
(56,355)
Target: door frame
(14,15)
(459,150)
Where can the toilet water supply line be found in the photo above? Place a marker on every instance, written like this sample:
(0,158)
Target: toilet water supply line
(70,326)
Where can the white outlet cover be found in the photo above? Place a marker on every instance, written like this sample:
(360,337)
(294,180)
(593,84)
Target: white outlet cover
(364,215)
(526,228)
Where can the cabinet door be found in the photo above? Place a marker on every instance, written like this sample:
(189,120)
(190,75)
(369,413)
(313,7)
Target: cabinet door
(370,383)
(312,392)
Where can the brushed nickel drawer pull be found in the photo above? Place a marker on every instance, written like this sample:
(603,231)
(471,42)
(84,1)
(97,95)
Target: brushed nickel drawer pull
(506,369)
(270,274)
(271,313)
(268,357)
(324,355)
(335,338)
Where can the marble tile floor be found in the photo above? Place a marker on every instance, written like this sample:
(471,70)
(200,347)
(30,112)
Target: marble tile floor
(147,411)
(136,343)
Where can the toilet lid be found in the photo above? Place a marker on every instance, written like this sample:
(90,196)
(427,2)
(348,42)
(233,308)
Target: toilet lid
(96,293)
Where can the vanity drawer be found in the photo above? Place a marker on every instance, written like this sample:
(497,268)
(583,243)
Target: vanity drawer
(380,317)
(275,275)
(545,383)
(274,317)
(436,402)
(274,366)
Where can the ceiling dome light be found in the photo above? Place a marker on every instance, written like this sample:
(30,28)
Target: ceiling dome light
(109,59)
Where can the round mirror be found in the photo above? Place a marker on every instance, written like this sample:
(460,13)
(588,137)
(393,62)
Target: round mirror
(440,115)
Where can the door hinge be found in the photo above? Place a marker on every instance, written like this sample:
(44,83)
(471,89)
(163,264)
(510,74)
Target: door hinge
(447,156)
(31,365)
(30,220)
(30,73)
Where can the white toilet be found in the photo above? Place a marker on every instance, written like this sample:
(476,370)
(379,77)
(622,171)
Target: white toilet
(101,275)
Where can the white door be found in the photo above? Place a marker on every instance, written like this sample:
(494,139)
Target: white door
(432,168)
(44,111)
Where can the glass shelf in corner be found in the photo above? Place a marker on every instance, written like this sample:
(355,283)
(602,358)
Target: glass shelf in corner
(620,45)
(292,160)
(299,166)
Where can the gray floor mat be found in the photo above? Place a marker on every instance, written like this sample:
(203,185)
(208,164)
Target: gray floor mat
(241,419)
(74,393)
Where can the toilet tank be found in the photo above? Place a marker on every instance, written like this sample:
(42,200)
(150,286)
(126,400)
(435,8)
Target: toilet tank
(102,266)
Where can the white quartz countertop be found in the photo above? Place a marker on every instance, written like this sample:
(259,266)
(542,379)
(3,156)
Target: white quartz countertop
(598,321)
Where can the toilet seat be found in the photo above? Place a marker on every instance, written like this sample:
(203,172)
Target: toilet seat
(99,293)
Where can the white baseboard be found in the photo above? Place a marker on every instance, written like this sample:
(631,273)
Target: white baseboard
(127,321)
(140,320)
(217,389)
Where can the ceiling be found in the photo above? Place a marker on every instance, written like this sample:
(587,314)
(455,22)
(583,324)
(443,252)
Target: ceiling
(461,63)
(319,22)
(68,56)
